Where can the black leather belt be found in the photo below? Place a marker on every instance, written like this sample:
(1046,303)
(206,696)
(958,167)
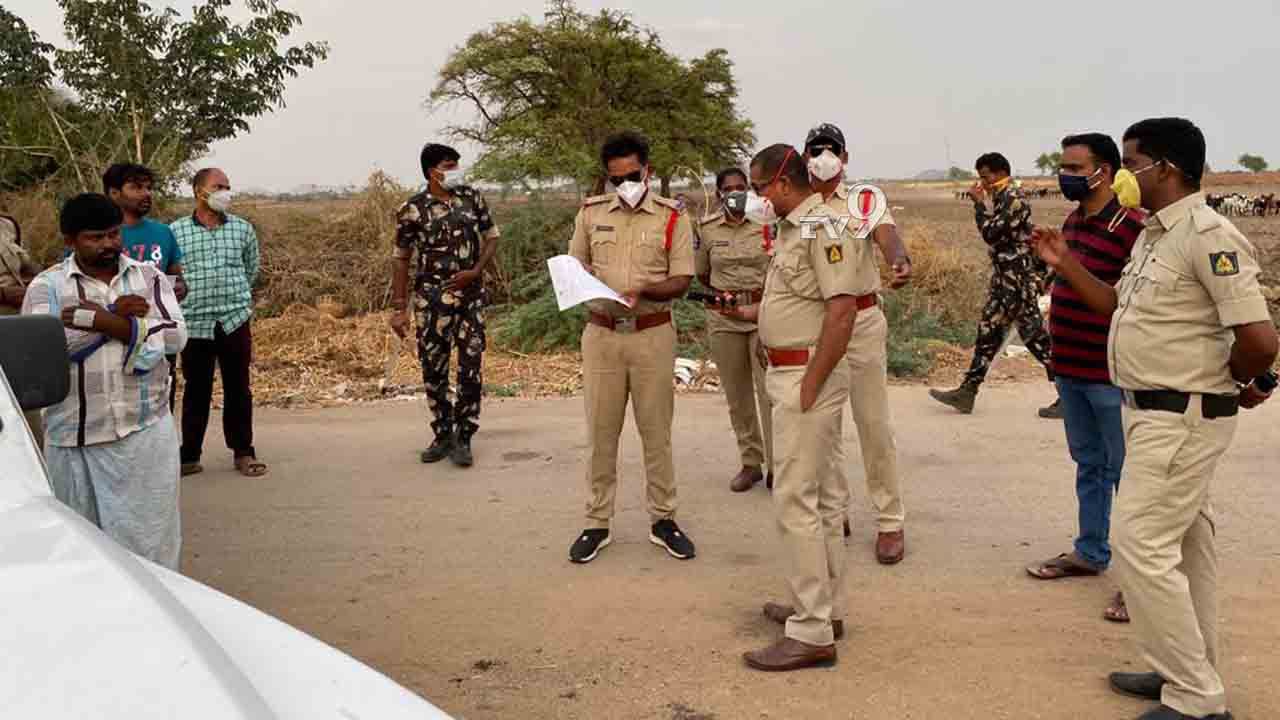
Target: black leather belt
(1211,406)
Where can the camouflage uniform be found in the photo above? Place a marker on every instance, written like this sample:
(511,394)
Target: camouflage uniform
(1017,282)
(446,237)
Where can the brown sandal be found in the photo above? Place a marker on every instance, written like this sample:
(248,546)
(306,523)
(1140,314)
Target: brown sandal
(251,467)
(1065,565)
(1117,611)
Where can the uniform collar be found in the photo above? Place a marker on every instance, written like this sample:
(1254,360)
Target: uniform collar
(804,208)
(647,204)
(1169,217)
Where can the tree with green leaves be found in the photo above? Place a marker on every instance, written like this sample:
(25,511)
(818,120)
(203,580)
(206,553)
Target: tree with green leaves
(959,173)
(546,95)
(147,84)
(1049,162)
(1253,163)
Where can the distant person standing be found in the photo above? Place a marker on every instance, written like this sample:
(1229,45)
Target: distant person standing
(145,240)
(1100,233)
(450,229)
(16,273)
(220,254)
(732,255)
(113,448)
(1017,279)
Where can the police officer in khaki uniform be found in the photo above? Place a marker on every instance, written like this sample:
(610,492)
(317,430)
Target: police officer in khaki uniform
(812,295)
(1190,333)
(16,272)
(732,254)
(641,246)
(827,156)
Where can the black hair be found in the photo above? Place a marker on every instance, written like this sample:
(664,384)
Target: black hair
(89,211)
(433,154)
(994,162)
(197,181)
(773,157)
(1176,140)
(624,144)
(120,174)
(727,173)
(1101,147)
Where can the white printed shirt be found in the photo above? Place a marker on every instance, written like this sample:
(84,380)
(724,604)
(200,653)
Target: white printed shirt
(117,388)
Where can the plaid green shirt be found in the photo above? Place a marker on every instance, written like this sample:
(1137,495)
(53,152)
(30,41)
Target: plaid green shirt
(220,266)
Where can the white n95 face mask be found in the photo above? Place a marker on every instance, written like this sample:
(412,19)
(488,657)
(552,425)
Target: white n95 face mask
(760,210)
(825,166)
(453,177)
(220,201)
(632,192)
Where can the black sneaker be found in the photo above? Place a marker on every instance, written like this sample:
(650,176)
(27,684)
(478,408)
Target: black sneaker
(667,534)
(589,544)
(461,453)
(439,449)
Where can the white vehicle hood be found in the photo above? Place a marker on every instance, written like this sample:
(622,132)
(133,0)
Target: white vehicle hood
(89,630)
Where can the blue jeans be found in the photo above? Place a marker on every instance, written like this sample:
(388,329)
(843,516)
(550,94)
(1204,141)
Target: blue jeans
(1095,434)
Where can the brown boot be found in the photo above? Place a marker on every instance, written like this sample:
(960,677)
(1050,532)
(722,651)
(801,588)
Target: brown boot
(746,479)
(788,654)
(891,547)
(780,613)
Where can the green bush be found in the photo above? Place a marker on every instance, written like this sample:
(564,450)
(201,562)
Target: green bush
(914,327)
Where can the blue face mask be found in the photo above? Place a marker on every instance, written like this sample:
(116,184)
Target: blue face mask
(1076,187)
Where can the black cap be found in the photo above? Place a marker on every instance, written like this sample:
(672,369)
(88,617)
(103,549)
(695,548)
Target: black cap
(825,131)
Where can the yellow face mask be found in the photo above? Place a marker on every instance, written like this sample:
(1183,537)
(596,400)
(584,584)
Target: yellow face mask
(1126,186)
(999,185)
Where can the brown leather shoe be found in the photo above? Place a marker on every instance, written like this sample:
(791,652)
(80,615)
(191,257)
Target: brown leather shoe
(890,547)
(746,479)
(788,654)
(780,613)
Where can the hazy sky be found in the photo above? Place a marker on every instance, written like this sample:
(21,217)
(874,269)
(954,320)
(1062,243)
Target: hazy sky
(900,78)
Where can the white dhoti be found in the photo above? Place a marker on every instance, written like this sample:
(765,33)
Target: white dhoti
(129,488)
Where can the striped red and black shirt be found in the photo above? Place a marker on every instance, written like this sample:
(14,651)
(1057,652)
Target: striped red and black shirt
(1101,243)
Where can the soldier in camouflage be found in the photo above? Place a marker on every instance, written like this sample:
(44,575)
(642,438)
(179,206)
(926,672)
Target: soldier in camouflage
(449,228)
(1017,278)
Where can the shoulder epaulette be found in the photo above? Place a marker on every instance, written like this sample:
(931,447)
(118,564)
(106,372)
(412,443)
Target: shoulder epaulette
(597,199)
(711,218)
(668,202)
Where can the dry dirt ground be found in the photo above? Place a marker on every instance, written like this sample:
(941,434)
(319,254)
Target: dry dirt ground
(457,584)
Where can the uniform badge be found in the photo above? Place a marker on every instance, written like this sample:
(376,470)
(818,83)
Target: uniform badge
(1224,263)
(603,228)
(834,254)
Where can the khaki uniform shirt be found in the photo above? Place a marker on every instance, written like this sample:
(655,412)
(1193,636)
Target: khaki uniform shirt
(736,259)
(14,260)
(627,249)
(805,273)
(1191,278)
(869,270)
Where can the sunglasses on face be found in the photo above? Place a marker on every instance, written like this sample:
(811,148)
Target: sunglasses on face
(816,150)
(636,176)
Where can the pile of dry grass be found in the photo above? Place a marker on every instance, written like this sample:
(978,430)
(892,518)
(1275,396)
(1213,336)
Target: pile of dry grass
(949,271)
(309,356)
(37,214)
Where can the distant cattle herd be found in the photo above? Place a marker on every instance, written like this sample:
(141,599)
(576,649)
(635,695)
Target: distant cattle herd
(1240,204)
(1232,204)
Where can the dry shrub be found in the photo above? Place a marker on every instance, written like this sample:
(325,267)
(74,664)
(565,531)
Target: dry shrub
(37,214)
(338,250)
(949,271)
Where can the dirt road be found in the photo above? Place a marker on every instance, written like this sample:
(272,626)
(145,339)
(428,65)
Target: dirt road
(457,584)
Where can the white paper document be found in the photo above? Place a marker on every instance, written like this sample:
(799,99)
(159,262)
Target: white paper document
(574,285)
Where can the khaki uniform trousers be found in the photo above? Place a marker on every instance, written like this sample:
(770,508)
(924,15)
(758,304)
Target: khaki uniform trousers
(735,356)
(635,365)
(867,358)
(1163,537)
(810,500)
